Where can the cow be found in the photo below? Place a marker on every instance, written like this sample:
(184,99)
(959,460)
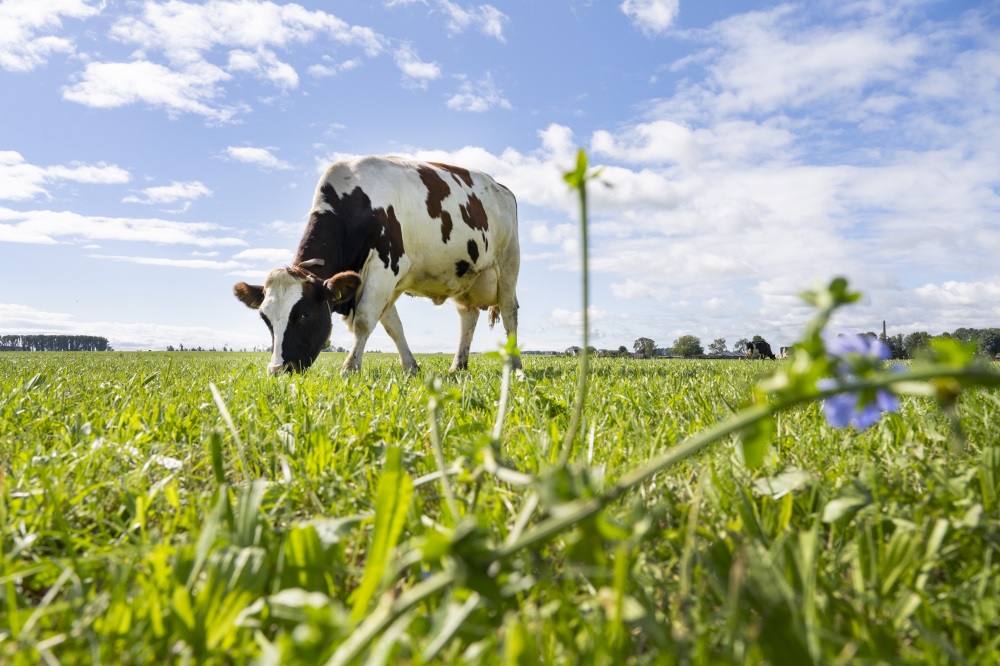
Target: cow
(759,349)
(784,352)
(380,227)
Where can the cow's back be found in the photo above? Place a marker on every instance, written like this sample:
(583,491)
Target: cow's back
(453,224)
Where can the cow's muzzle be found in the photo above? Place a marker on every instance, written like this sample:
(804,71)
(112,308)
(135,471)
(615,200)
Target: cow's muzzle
(288,366)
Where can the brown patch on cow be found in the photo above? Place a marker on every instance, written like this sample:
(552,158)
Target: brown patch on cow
(462,267)
(473,250)
(248,294)
(457,172)
(388,238)
(437,192)
(474,214)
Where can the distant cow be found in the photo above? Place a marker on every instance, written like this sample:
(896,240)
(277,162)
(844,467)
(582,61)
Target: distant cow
(759,349)
(380,227)
(784,352)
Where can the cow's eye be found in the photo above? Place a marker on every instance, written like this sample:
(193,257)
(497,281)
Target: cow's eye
(304,316)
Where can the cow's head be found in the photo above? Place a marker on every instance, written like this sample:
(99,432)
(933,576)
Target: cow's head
(296,307)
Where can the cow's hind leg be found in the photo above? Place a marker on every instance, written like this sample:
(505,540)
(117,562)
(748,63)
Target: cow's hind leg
(394,327)
(468,316)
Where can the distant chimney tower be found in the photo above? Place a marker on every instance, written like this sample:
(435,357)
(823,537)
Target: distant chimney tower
(884,336)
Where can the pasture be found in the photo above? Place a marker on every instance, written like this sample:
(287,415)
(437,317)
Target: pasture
(305,519)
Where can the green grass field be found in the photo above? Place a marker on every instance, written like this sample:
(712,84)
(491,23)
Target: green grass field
(301,520)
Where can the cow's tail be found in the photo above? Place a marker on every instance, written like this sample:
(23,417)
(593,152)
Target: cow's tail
(494,316)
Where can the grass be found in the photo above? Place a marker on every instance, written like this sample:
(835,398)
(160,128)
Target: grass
(138,526)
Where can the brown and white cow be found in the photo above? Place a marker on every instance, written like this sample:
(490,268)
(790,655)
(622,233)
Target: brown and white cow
(381,227)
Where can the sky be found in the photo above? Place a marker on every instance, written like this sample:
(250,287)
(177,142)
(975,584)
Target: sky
(154,153)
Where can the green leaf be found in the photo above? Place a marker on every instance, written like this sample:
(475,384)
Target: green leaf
(578,176)
(755,439)
(852,499)
(518,647)
(392,502)
(790,479)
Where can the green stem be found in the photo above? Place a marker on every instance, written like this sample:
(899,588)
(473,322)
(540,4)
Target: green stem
(387,613)
(581,384)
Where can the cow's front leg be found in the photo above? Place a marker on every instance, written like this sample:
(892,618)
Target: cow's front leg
(362,330)
(394,327)
(468,316)
(377,296)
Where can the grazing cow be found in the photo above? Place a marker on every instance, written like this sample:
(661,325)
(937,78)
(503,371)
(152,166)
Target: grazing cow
(759,349)
(384,226)
(784,352)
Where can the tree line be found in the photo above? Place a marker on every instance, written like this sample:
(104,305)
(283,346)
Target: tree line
(54,343)
(987,341)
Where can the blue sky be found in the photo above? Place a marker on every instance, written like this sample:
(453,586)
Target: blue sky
(154,153)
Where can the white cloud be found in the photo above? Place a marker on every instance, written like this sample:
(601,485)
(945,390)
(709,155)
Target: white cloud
(188,34)
(262,157)
(202,264)
(487,18)
(46,227)
(329,68)
(477,97)
(980,293)
(766,60)
(653,17)
(185,31)
(574,319)
(20,180)
(27,30)
(108,85)
(264,64)
(416,73)
(175,191)
(271,256)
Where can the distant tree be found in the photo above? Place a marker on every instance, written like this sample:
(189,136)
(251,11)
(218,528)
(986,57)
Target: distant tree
(740,346)
(989,341)
(717,346)
(915,342)
(54,343)
(623,351)
(688,346)
(895,343)
(592,350)
(966,334)
(757,338)
(644,346)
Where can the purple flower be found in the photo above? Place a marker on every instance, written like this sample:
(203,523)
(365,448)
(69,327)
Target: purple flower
(845,409)
(851,352)
(862,345)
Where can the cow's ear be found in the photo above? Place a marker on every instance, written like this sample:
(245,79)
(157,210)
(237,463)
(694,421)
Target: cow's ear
(250,294)
(342,286)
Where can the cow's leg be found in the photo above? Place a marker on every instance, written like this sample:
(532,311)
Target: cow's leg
(394,327)
(468,316)
(376,297)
